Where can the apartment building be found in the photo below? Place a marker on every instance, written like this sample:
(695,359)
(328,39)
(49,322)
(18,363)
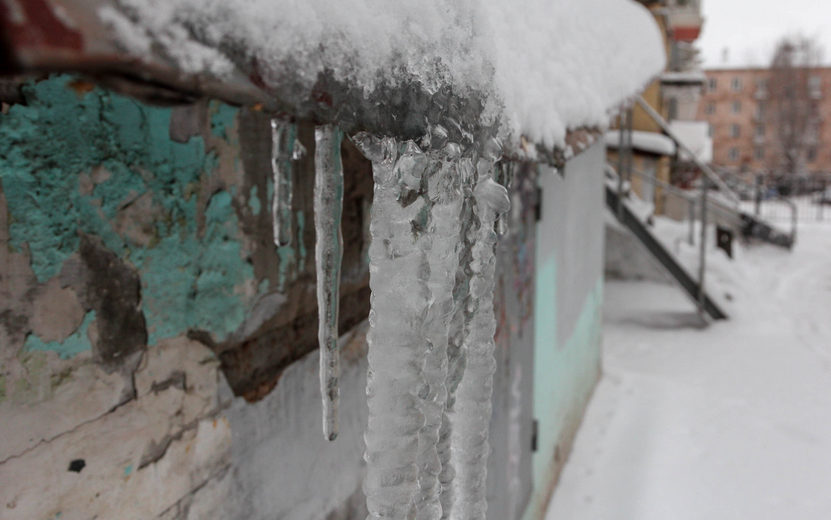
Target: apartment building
(737,104)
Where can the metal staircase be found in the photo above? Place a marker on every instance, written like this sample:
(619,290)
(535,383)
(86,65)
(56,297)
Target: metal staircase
(638,228)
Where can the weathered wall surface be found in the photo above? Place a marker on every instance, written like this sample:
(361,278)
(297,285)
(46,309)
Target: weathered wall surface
(143,306)
(567,311)
(158,353)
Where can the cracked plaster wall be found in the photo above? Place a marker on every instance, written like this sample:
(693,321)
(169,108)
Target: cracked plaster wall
(158,353)
(143,305)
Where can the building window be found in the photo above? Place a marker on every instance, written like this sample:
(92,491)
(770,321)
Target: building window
(759,153)
(762,84)
(710,130)
(735,131)
(712,84)
(673,108)
(711,108)
(815,87)
(736,85)
(812,154)
(733,154)
(737,107)
(760,110)
(760,130)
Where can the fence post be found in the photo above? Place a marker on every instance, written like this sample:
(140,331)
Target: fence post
(702,262)
(758,194)
(691,218)
(620,146)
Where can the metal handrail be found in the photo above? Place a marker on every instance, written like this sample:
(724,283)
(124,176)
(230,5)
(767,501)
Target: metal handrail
(778,198)
(701,298)
(711,175)
(718,205)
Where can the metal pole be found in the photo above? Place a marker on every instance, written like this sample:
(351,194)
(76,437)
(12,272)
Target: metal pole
(702,262)
(629,148)
(620,146)
(717,181)
(691,217)
(758,194)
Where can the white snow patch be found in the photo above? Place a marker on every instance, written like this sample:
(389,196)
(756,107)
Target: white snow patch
(651,142)
(696,136)
(542,66)
(695,76)
(726,422)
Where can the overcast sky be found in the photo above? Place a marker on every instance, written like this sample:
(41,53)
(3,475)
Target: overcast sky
(750,28)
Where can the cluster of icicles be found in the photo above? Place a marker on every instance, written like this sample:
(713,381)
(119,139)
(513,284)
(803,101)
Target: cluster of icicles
(431,340)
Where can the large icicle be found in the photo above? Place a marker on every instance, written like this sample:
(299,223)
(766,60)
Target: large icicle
(400,298)
(431,274)
(328,207)
(444,198)
(470,416)
(459,324)
(284,148)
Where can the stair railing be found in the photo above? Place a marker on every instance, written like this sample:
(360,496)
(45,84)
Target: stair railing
(713,177)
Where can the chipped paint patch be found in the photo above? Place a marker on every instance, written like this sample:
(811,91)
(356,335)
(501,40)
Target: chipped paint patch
(76,343)
(223,117)
(71,164)
(254,201)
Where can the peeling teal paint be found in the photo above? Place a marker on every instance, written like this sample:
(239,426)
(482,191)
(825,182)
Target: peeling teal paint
(44,149)
(189,283)
(301,244)
(76,343)
(564,375)
(70,163)
(222,118)
(287,265)
(128,470)
(254,201)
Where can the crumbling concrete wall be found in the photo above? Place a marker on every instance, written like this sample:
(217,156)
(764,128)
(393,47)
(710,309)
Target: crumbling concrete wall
(140,292)
(158,353)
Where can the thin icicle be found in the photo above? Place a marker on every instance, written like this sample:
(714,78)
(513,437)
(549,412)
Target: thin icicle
(283,139)
(328,207)
(470,417)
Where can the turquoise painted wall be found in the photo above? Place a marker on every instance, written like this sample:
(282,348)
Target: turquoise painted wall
(73,159)
(567,312)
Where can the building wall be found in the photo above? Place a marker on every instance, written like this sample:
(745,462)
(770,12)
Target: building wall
(568,316)
(721,100)
(158,353)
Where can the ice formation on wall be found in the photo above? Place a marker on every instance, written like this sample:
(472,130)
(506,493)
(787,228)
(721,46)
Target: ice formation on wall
(285,150)
(328,207)
(431,266)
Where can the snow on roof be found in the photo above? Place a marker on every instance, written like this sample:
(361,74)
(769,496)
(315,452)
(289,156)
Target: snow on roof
(696,136)
(651,142)
(696,76)
(538,67)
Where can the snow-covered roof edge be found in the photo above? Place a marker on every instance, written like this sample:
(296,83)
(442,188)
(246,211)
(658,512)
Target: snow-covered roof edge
(533,72)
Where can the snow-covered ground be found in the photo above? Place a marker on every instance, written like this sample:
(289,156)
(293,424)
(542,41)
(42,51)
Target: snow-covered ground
(732,421)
